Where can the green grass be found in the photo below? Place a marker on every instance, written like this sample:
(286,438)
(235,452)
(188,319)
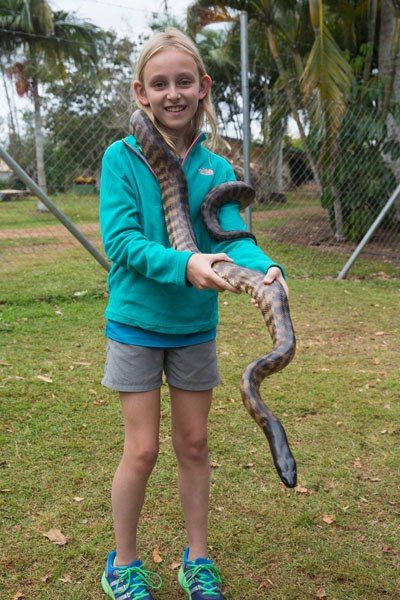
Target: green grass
(24,213)
(337,399)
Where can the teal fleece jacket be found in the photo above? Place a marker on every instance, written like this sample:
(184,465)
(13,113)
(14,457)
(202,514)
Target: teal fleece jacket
(147,281)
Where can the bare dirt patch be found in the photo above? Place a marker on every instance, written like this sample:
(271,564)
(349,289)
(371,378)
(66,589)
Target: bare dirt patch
(309,227)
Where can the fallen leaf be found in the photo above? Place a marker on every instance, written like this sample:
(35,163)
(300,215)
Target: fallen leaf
(45,577)
(386,549)
(66,578)
(300,490)
(78,499)
(375,361)
(3,363)
(357,464)
(264,584)
(321,593)
(18,595)
(380,333)
(93,392)
(55,535)
(157,556)
(174,565)
(214,464)
(249,465)
(328,519)
(45,378)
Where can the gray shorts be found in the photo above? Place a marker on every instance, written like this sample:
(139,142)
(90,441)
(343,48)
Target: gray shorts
(139,369)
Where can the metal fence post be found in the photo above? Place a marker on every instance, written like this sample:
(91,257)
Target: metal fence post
(54,208)
(369,233)
(244,55)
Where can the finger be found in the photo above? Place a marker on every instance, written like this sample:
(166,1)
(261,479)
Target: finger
(283,284)
(221,284)
(219,257)
(285,287)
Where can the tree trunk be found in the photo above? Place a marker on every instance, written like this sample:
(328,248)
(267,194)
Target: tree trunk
(292,102)
(372,10)
(277,157)
(39,143)
(10,108)
(273,129)
(390,73)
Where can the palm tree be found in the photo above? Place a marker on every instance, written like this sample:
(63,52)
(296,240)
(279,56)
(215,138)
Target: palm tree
(272,15)
(325,80)
(48,42)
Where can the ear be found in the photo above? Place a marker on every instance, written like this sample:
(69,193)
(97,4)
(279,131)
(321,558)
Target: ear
(205,85)
(140,93)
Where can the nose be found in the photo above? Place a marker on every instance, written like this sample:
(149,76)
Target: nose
(173,94)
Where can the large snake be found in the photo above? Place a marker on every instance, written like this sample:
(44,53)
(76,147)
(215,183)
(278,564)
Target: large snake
(271,299)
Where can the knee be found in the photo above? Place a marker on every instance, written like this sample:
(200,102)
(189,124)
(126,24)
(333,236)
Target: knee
(191,448)
(141,458)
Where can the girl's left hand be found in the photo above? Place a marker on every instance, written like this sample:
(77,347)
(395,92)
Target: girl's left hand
(272,274)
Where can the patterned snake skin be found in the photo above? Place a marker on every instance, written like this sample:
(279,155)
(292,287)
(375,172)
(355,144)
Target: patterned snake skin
(271,299)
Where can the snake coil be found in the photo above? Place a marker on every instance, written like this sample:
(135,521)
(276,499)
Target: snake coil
(271,299)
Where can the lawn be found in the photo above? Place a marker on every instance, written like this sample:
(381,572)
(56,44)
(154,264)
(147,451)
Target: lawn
(333,537)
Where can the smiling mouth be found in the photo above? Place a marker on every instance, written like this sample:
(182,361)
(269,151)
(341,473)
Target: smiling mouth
(175,109)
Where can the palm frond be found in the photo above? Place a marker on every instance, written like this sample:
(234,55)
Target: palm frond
(327,74)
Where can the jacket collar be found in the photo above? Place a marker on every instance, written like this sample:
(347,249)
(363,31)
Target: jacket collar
(132,143)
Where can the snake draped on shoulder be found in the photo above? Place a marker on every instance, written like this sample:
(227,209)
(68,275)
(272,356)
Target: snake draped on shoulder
(271,299)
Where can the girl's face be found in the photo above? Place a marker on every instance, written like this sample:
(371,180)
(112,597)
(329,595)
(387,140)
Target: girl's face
(172,89)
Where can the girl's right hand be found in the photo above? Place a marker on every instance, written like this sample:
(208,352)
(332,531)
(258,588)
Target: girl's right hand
(200,273)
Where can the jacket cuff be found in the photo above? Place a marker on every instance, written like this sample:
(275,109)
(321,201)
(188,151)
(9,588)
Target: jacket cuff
(184,257)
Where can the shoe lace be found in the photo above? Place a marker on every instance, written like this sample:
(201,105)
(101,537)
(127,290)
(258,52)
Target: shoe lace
(138,580)
(207,577)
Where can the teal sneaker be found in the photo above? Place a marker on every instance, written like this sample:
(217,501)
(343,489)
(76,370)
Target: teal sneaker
(131,582)
(200,578)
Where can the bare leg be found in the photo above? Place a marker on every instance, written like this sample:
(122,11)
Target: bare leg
(141,412)
(189,412)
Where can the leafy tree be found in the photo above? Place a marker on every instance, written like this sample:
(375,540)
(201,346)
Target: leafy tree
(43,44)
(88,112)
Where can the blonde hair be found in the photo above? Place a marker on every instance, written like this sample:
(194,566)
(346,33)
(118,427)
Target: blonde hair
(171,37)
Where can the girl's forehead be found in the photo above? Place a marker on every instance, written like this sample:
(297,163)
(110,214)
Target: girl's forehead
(169,61)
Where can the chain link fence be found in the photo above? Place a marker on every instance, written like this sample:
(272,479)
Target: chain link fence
(322,175)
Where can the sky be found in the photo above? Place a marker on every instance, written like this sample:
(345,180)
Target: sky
(126,17)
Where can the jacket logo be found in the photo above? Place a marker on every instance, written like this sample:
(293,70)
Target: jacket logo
(206,172)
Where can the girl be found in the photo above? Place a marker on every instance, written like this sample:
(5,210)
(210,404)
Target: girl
(162,311)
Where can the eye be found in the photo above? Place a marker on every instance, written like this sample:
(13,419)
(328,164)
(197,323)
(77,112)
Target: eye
(185,82)
(158,84)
